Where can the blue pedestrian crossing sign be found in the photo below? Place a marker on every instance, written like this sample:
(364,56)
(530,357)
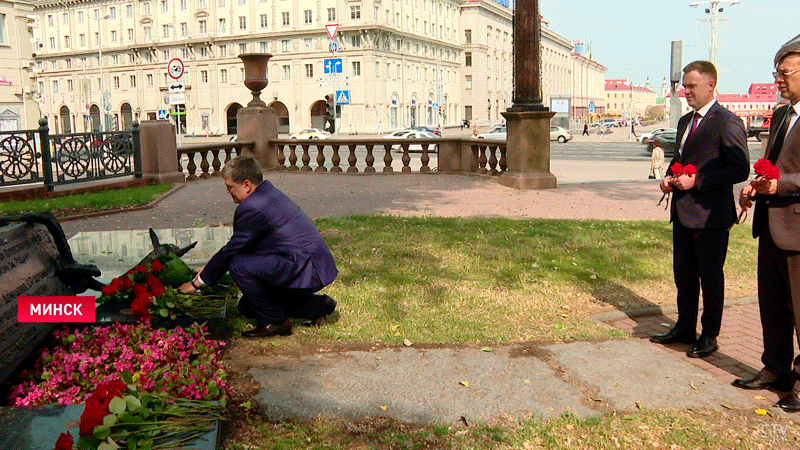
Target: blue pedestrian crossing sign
(162,114)
(343,97)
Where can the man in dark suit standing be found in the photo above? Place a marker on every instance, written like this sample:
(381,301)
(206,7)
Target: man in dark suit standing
(777,224)
(276,255)
(713,140)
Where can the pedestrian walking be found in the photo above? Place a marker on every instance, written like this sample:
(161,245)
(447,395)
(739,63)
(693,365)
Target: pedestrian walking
(585,129)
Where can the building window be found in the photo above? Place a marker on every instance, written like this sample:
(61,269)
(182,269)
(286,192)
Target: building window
(309,71)
(131,58)
(130,35)
(165,31)
(166,55)
(377,70)
(221,25)
(285,45)
(355,12)
(356,68)
(183,5)
(80,16)
(148,35)
(331,14)
(355,40)
(204,52)
(242,48)
(114,36)
(468,82)
(148,57)
(285,18)
(307,16)
(242,22)
(65,18)
(184,55)
(202,4)
(150,79)
(50,20)
(204,76)
(69,85)
(115,59)
(264,46)
(66,41)
(116,82)
(308,44)
(82,40)
(55,86)
(69,63)
(52,43)
(287,72)
(128,11)
(184,29)
(223,75)
(164,6)
(468,59)
(203,25)
(133,81)
(468,36)
(146,9)
(242,2)
(263,19)
(223,50)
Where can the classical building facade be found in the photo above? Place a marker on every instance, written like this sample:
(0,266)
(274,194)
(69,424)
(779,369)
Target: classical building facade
(18,109)
(624,99)
(408,61)
(588,87)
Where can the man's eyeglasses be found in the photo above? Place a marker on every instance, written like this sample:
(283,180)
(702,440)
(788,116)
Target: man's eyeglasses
(783,75)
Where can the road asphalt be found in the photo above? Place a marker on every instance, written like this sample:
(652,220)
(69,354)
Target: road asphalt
(431,384)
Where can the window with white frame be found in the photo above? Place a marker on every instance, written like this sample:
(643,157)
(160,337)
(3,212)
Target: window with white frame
(113,35)
(355,40)
(222,27)
(331,14)
(148,35)
(150,79)
(203,26)
(55,86)
(285,45)
(133,81)
(285,19)
(166,55)
(131,58)
(263,20)
(165,31)
(81,40)
(264,46)
(67,41)
(184,29)
(356,72)
(80,16)
(242,22)
(468,82)
(223,50)
(242,48)
(69,85)
(204,76)
(355,13)
(130,35)
(203,52)
(116,82)
(52,43)
(65,18)
(308,44)
(146,8)
(309,71)
(115,59)
(164,6)
(184,55)
(221,3)
(307,18)
(223,75)
(287,72)
(128,11)
(202,4)
(183,5)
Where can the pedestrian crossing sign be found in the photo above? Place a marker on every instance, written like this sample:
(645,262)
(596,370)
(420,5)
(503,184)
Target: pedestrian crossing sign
(343,97)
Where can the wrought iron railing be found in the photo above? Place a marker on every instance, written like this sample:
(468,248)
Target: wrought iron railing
(36,156)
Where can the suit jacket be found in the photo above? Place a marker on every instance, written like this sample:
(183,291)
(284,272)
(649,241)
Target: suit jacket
(268,224)
(718,149)
(783,208)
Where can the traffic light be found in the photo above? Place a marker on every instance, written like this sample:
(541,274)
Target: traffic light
(330,114)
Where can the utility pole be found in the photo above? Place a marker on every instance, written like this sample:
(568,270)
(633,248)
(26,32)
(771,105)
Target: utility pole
(713,10)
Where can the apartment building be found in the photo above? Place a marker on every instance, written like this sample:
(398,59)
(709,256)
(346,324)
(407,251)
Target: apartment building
(625,99)
(408,61)
(18,110)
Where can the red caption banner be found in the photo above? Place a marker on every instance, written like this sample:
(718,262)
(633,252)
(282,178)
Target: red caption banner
(56,309)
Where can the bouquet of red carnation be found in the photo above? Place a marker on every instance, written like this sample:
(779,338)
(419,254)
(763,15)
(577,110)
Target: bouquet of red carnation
(764,168)
(679,169)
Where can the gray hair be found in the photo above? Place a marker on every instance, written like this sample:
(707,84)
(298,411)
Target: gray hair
(793,46)
(243,167)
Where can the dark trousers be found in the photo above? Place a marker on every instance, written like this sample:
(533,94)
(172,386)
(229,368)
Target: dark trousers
(779,303)
(270,304)
(698,260)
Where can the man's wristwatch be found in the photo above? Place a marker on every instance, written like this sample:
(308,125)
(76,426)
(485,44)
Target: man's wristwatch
(195,285)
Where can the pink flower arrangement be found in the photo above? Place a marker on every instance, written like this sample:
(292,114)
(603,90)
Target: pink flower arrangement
(180,362)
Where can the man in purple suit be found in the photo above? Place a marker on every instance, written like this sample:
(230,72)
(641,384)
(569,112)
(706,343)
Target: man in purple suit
(713,140)
(776,223)
(276,255)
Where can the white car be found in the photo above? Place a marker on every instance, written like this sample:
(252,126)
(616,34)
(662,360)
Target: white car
(644,137)
(560,134)
(499,132)
(311,133)
(413,134)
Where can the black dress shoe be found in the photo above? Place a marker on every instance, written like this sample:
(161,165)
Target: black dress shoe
(791,401)
(330,306)
(280,329)
(674,336)
(765,380)
(703,347)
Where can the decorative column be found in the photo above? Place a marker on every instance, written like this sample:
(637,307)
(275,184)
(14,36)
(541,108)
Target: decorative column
(258,122)
(528,120)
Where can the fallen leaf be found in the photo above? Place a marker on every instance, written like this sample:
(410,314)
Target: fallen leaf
(564,315)
(407,342)
(275,344)
(665,325)
(464,383)
(398,334)
(486,349)
(727,406)
(383,407)
(691,384)
(246,404)
(395,327)
(761,412)
(760,397)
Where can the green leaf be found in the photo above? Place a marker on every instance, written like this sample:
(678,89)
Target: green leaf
(102,431)
(127,376)
(170,305)
(87,443)
(163,312)
(110,420)
(132,403)
(107,446)
(146,445)
(117,406)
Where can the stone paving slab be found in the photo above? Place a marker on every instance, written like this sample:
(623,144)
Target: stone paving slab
(416,385)
(628,374)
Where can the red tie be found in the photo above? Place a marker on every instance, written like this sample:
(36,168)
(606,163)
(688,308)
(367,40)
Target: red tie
(694,124)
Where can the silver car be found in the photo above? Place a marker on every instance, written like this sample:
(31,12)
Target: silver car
(560,134)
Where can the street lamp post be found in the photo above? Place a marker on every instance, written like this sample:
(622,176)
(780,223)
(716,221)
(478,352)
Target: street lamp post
(104,102)
(713,10)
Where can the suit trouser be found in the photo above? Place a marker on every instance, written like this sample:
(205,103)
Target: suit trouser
(778,303)
(698,260)
(270,304)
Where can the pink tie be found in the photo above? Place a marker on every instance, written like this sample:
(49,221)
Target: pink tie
(694,123)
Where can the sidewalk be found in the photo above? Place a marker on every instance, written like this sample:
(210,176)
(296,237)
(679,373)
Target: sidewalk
(407,379)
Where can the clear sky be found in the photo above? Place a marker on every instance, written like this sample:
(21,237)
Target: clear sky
(632,38)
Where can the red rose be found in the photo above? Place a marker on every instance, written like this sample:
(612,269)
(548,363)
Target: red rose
(690,170)
(141,268)
(109,389)
(92,416)
(141,304)
(111,288)
(126,283)
(140,289)
(156,266)
(64,442)
(155,285)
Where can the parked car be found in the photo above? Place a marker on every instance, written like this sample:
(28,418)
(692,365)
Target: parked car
(498,132)
(397,134)
(610,122)
(668,142)
(644,137)
(413,134)
(310,133)
(560,134)
(429,130)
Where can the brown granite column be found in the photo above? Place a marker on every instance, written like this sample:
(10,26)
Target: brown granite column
(528,144)
(258,122)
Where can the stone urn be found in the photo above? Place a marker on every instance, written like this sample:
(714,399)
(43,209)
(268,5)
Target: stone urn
(255,75)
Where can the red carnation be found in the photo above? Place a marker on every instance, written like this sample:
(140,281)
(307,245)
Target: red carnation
(155,285)
(689,170)
(764,168)
(141,304)
(126,283)
(92,416)
(773,173)
(156,266)
(112,287)
(140,289)
(677,169)
(141,268)
(64,442)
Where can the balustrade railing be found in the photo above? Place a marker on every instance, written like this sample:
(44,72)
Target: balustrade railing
(209,158)
(490,156)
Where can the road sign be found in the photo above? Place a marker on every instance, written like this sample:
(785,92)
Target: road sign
(175,68)
(435,106)
(177,86)
(162,114)
(178,98)
(334,81)
(331,29)
(333,65)
(334,47)
(343,97)
(590,107)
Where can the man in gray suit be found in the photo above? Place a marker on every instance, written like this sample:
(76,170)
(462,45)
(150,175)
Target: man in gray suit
(714,141)
(777,223)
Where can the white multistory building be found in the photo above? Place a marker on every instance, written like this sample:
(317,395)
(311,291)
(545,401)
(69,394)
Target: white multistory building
(409,62)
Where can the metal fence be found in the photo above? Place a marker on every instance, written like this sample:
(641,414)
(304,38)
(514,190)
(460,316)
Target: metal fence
(36,156)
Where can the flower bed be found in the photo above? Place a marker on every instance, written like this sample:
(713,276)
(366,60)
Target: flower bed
(180,362)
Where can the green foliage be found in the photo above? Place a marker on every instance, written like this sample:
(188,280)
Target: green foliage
(110,199)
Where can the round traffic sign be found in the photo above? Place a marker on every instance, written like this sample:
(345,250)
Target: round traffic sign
(334,47)
(175,68)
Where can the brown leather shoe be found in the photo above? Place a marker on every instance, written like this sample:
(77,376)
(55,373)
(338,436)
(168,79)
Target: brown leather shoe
(764,380)
(791,401)
(330,304)
(280,329)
